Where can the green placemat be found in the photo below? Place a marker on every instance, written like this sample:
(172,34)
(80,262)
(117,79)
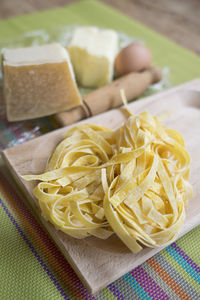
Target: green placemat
(184,64)
(31,266)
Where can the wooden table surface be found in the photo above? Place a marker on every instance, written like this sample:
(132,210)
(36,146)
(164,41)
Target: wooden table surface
(179,20)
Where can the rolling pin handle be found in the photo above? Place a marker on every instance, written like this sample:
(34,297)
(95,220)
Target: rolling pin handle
(134,84)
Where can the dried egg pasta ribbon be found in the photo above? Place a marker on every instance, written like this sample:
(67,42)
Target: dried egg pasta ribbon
(70,192)
(132,181)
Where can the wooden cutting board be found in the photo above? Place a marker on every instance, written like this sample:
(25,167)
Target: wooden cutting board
(98,262)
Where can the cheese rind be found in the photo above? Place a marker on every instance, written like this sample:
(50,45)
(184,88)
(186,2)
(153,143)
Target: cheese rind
(92,52)
(49,53)
(38,81)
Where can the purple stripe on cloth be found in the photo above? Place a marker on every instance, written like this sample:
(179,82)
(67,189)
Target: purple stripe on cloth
(39,259)
(148,284)
(186,257)
(115,292)
(45,238)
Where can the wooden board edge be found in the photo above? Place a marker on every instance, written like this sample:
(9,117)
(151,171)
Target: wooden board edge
(46,225)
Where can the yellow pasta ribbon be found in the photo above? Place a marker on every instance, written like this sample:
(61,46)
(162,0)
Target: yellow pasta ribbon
(132,182)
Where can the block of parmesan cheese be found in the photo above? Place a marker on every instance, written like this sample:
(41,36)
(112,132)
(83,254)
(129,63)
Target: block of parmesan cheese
(92,52)
(38,81)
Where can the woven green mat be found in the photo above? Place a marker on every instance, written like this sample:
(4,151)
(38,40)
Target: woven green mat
(31,267)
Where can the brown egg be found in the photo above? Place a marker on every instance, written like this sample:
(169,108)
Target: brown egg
(133,58)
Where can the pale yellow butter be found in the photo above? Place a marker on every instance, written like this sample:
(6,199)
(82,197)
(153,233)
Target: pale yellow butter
(38,81)
(92,52)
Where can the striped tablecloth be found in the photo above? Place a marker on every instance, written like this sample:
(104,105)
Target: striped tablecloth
(31,266)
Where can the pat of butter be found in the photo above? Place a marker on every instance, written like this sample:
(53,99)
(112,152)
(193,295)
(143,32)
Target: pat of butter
(38,81)
(92,52)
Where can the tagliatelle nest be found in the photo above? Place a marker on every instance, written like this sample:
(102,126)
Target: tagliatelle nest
(132,181)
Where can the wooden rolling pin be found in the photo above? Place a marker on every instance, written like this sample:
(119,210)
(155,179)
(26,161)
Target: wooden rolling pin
(107,97)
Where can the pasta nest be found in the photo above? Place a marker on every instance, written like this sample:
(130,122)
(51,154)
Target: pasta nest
(132,181)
